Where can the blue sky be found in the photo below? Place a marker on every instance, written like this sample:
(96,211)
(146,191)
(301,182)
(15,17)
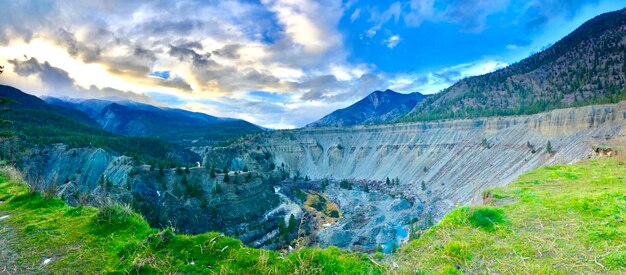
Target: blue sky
(277,63)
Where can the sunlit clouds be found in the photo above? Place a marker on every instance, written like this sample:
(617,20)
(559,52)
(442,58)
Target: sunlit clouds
(276,63)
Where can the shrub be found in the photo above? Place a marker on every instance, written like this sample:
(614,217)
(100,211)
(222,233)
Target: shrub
(485,218)
(345,184)
(111,218)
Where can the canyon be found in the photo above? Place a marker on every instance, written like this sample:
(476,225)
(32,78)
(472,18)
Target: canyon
(439,165)
(433,167)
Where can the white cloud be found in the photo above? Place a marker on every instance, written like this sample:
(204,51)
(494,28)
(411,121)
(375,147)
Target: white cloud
(434,82)
(302,23)
(355,15)
(392,41)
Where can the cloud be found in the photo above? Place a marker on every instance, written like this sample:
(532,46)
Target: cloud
(313,95)
(518,43)
(278,62)
(420,11)
(392,41)
(434,82)
(229,51)
(189,54)
(539,12)
(355,15)
(302,24)
(61,84)
(472,14)
(54,77)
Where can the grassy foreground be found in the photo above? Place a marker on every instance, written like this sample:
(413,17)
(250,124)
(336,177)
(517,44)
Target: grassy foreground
(116,240)
(560,219)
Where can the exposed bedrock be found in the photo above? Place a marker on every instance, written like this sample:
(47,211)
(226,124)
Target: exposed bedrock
(190,200)
(455,159)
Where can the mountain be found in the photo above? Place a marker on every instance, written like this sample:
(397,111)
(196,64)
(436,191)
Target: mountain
(586,67)
(176,125)
(25,101)
(37,123)
(377,107)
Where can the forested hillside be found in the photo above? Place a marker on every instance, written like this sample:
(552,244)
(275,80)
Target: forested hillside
(36,123)
(175,125)
(586,67)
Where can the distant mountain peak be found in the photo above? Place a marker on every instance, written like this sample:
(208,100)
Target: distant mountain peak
(377,107)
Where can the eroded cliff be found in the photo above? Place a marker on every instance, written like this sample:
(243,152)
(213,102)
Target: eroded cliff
(456,159)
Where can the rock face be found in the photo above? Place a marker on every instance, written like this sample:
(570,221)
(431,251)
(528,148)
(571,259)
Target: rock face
(190,200)
(377,107)
(454,159)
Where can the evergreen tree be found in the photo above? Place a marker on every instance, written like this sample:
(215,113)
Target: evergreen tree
(217,189)
(226,178)
(184,180)
(292,222)
(549,147)
(387,181)
(212,173)
(282,230)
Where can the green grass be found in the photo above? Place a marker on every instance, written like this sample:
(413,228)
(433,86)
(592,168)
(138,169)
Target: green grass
(559,219)
(114,239)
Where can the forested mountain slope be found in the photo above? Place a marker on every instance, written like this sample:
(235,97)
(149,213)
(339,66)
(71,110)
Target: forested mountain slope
(586,67)
(175,125)
(37,123)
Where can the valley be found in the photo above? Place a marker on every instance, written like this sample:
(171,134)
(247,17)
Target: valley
(434,166)
(508,168)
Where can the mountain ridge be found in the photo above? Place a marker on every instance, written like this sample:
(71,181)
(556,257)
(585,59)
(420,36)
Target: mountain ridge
(378,106)
(585,67)
(139,119)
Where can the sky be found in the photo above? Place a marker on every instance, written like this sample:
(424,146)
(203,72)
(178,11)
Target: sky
(276,63)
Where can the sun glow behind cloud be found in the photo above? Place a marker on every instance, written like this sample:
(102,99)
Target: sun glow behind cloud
(309,57)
